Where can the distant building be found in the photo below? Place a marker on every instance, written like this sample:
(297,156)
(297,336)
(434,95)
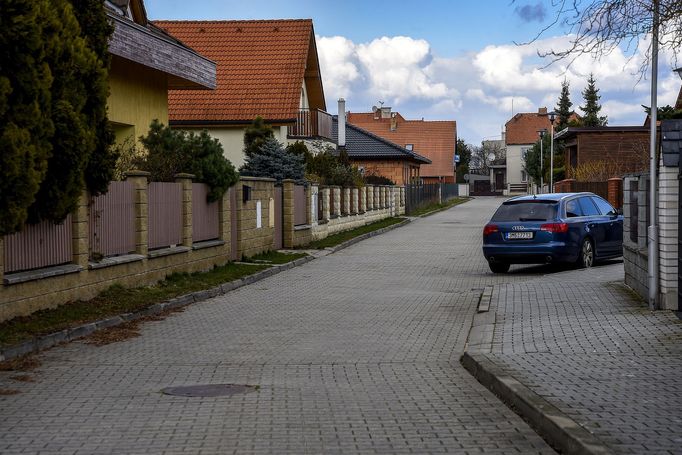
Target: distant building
(435,140)
(521,132)
(377,156)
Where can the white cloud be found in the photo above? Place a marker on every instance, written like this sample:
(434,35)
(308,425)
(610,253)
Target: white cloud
(477,88)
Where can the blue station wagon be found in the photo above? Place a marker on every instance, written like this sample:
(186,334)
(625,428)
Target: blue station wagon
(577,228)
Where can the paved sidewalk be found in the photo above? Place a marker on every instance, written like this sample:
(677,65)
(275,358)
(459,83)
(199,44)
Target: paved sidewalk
(355,352)
(585,344)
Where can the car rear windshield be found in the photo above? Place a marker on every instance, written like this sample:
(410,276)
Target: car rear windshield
(527,211)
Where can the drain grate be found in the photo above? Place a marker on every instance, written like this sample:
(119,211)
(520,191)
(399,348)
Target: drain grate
(209,390)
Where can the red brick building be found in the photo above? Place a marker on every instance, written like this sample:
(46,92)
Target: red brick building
(435,140)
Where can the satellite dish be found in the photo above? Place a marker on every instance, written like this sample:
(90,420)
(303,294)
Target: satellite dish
(374,108)
(491,156)
(466,177)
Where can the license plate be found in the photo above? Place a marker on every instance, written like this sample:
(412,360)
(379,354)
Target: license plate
(519,235)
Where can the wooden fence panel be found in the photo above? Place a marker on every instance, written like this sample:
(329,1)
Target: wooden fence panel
(205,219)
(39,245)
(165,214)
(112,221)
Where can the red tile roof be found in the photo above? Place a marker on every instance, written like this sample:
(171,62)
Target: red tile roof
(433,139)
(523,128)
(260,69)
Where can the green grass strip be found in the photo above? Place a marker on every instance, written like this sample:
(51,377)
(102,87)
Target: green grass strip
(436,206)
(116,300)
(274,257)
(337,239)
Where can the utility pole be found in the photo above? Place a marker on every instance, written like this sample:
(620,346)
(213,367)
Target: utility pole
(652,232)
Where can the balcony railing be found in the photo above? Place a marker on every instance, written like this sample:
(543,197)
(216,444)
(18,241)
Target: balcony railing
(312,123)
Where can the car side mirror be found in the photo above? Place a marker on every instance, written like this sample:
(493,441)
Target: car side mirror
(619,211)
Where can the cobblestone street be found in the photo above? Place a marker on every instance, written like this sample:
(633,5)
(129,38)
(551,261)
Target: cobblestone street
(355,352)
(580,340)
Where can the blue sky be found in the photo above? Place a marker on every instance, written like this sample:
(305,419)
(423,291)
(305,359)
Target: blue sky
(444,59)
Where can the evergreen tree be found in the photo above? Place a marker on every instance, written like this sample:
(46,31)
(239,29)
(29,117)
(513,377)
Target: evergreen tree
(74,140)
(272,160)
(256,135)
(563,107)
(97,30)
(464,152)
(592,107)
(25,116)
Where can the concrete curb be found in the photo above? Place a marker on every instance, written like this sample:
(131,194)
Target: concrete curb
(557,428)
(64,336)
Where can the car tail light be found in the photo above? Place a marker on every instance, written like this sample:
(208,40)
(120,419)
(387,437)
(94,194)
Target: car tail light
(490,228)
(556,228)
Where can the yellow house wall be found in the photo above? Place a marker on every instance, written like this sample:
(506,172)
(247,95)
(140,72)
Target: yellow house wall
(137,95)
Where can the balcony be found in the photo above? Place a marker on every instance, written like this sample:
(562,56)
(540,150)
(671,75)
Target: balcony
(312,123)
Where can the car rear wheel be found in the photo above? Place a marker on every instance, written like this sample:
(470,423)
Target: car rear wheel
(498,267)
(586,256)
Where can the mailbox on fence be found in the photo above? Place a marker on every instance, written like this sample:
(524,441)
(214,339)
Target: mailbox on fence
(246,193)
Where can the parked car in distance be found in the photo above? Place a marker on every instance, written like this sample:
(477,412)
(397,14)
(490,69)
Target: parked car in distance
(578,228)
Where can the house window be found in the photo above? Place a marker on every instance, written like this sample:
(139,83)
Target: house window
(524,176)
(524,152)
(409,146)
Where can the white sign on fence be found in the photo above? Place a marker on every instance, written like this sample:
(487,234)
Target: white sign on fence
(259,215)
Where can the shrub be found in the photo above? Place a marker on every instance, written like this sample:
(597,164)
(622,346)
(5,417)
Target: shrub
(170,152)
(373,179)
(256,135)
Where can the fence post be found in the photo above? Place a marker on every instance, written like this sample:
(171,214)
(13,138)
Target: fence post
(79,232)
(313,208)
(615,190)
(379,196)
(369,195)
(363,200)
(288,213)
(345,210)
(440,192)
(325,204)
(336,206)
(139,180)
(355,195)
(2,259)
(224,226)
(186,181)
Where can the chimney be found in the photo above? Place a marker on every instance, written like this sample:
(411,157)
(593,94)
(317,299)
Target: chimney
(385,112)
(342,123)
(542,111)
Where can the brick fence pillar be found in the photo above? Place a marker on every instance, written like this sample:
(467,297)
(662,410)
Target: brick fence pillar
(362,208)
(369,189)
(224,220)
(139,180)
(615,192)
(377,197)
(336,202)
(313,206)
(79,232)
(186,181)
(346,201)
(288,213)
(354,201)
(325,204)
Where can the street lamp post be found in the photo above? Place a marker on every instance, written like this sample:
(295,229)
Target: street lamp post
(542,134)
(552,116)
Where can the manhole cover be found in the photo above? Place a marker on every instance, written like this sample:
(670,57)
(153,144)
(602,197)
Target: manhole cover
(208,390)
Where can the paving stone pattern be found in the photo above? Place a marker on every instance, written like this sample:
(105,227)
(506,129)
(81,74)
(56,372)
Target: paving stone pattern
(355,352)
(586,344)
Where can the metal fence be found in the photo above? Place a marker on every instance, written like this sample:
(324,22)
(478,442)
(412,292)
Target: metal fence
(300,206)
(449,191)
(165,214)
(205,220)
(39,245)
(112,221)
(417,196)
